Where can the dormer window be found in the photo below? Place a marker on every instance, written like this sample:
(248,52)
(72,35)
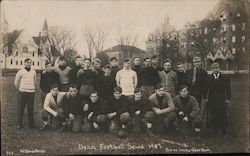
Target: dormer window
(25,48)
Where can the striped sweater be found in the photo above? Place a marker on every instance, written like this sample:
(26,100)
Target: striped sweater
(25,80)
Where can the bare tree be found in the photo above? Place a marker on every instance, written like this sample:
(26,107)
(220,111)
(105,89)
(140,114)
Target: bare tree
(127,40)
(96,38)
(62,38)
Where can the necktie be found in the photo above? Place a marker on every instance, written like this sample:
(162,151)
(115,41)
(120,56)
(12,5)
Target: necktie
(194,76)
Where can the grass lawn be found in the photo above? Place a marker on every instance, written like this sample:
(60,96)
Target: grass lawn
(26,141)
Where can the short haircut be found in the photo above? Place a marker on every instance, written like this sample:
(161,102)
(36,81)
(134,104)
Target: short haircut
(72,85)
(137,90)
(158,86)
(179,63)
(182,87)
(126,60)
(167,60)
(196,58)
(78,57)
(97,60)
(146,58)
(117,89)
(215,64)
(113,58)
(53,86)
(107,66)
(137,57)
(27,59)
(87,59)
(154,57)
(93,92)
(62,58)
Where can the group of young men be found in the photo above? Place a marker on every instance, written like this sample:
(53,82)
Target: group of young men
(146,98)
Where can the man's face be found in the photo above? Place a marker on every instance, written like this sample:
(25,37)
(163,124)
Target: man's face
(48,68)
(93,97)
(72,91)
(197,63)
(87,63)
(107,71)
(117,95)
(180,68)
(54,91)
(97,65)
(147,63)
(216,69)
(62,62)
(78,61)
(184,92)
(160,91)
(154,61)
(28,64)
(137,61)
(126,65)
(138,96)
(114,63)
(167,66)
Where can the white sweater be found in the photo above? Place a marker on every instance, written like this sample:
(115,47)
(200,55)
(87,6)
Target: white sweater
(25,80)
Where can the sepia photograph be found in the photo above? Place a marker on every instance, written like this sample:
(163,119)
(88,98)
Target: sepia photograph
(84,77)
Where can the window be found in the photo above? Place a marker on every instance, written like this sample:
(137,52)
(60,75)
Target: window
(16,53)
(244,50)
(205,31)
(233,27)
(243,38)
(243,26)
(25,48)
(33,63)
(233,51)
(21,62)
(33,54)
(233,39)
(38,63)
(16,62)
(11,61)
(1,61)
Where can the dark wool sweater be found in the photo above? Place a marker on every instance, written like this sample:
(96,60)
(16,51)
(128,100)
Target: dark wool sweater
(143,105)
(87,78)
(114,70)
(105,86)
(48,79)
(149,77)
(97,108)
(72,105)
(73,74)
(118,106)
(138,70)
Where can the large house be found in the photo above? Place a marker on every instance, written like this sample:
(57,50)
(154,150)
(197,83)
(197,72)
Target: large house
(19,45)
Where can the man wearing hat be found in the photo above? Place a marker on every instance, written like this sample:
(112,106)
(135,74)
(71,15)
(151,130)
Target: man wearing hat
(196,80)
(218,95)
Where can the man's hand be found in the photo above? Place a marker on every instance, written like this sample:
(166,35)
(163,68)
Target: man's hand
(44,71)
(181,113)
(158,111)
(86,107)
(56,114)
(137,112)
(95,125)
(185,119)
(71,116)
(206,100)
(90,115)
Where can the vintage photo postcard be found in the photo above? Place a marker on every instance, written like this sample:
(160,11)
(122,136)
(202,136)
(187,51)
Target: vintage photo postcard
(81,77)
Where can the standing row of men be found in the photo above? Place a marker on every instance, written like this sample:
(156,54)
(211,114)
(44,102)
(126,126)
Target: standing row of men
(112,80)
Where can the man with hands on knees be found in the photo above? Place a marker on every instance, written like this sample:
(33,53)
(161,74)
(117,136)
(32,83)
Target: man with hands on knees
(95,112)
(163,107)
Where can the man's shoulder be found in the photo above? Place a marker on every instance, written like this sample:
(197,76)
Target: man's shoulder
(152,96)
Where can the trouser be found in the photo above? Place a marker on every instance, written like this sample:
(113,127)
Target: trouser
(164,121)
(77,123)
(195,122)
(43,95)
(56,122)
(147,90)
(121,119)
(23,99)
(142,121)
(101,120)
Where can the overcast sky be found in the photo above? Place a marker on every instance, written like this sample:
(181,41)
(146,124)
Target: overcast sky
(140,17)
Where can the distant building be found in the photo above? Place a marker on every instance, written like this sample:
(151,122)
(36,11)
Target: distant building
(233,50)
(163,42)
(124,51)
(19,45)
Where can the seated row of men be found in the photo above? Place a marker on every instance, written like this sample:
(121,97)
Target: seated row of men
(119,113)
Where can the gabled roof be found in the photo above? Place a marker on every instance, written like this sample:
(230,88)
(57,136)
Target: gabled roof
(124,48)
(11,37)
(38,39)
